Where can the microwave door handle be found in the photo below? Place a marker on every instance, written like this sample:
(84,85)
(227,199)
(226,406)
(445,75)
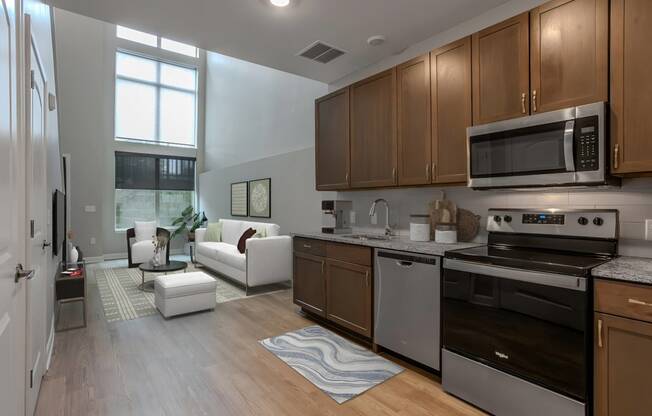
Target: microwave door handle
(569,137)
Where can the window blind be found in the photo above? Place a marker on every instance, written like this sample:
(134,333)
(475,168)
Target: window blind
(154,172)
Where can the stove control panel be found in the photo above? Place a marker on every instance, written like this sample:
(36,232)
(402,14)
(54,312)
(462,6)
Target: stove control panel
(543,219)
(577,223)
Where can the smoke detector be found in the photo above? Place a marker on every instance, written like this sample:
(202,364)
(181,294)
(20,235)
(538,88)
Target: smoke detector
(376,40)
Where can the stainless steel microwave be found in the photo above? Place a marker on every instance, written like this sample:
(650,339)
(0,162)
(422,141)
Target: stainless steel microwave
(559,148)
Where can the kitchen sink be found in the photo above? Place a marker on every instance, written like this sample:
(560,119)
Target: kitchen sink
(377,237)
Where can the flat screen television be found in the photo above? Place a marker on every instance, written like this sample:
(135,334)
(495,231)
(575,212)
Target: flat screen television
(58,221)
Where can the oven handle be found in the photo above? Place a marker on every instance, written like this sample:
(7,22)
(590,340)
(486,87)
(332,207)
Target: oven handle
(569,137)
(541,278)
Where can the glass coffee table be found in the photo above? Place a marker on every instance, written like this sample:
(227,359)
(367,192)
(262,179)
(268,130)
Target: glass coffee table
(172,266)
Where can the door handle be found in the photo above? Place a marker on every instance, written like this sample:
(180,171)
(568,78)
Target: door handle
(45,244)
(638,302)
(394,174)
(22,273)
(427,171)
(347,177)
(599,333)
(366,278)
(523,103)
(322,267)
(534,101)
(403,263)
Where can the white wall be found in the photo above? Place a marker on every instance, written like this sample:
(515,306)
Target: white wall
(86,64)
(254,112)
(260,124)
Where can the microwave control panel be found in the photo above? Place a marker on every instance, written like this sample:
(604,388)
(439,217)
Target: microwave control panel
(587,144)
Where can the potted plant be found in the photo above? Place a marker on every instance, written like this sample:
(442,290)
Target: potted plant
(189,220)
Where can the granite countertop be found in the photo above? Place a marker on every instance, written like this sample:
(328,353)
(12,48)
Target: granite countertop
(400,243)
(627,269)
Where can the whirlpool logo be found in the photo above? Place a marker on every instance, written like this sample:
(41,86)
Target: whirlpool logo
(501,355)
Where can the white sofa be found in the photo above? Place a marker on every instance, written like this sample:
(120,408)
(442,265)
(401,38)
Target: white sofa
(266,260)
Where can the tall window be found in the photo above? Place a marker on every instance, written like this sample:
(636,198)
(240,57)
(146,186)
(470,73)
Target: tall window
(155,101)
(149,187)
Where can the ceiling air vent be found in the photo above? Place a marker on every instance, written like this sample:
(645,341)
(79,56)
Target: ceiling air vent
(321,52)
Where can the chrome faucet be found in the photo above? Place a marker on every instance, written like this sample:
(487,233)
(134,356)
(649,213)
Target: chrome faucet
(372,212)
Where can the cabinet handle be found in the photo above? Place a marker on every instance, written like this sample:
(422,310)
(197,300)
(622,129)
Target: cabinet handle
(599,333)
(427,171)
(322,267)
(638,302)
(433,171)
(347,177)
(523,103)
(534,101)
(394,174)
(307,246)
(616,154)
(366,278)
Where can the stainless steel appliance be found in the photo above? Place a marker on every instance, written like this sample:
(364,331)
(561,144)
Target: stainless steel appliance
(559,148)
(517,336)
(406,316)
(336,216)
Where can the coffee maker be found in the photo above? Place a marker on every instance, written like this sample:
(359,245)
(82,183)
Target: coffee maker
(336,217)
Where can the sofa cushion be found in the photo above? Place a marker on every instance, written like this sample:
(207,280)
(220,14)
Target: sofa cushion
(184,284)
(233,229)
(142,251)
(145,230)
(261,232)
(214,232)
(242,243)
(223,253)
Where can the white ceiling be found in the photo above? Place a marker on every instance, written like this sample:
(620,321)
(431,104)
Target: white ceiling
(255,31)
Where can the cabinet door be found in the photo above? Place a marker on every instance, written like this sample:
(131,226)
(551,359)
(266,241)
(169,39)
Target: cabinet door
(631,86)
(309,284)
(414,141)
(373,131)
(349,296)
(332,141)
(569,54)
(501,71)
(623,366)
(450,83)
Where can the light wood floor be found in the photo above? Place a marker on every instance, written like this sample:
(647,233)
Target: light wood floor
(209,364)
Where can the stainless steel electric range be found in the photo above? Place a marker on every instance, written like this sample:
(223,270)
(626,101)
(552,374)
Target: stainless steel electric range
(517,338)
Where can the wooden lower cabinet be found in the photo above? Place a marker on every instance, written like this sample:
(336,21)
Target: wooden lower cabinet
(623,349)
(310,283)
(349,295)
(623,366)
(337,285)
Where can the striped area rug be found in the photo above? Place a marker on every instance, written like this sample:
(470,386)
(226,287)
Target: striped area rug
(338,367)
(122,300)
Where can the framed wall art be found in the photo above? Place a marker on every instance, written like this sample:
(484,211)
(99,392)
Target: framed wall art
(239,201)
(260,198)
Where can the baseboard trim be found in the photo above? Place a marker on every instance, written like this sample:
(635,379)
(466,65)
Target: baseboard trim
(50,346)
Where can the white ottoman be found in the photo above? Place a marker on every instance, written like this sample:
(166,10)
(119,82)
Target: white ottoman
(176,294)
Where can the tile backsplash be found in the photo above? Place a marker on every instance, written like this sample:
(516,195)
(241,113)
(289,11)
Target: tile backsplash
(633,200)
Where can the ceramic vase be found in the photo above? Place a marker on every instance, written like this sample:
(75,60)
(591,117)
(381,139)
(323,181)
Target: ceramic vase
(74,255)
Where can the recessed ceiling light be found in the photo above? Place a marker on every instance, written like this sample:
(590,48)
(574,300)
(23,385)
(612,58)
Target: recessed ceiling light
(280,3)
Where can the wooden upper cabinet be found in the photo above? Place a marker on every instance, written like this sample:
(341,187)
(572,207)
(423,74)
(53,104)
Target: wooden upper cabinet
(623,368)
(414,143)
(332,141)
(501,71)
(569,54)
(631,86)
(373,131)
(450,83)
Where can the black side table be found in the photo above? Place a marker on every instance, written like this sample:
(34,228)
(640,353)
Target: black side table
(70,289)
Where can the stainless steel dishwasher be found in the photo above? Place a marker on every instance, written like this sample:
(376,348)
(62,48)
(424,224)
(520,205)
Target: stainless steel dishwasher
(407,295)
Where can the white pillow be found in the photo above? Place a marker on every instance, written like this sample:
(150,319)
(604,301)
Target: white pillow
(145,230)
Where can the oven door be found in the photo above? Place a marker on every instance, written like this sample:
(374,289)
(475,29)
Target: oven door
(535,331)
(540,154)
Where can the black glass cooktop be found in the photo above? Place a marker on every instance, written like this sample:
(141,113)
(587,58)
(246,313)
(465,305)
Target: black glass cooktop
(574,264)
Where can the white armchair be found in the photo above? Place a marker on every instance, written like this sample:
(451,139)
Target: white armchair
(266,260)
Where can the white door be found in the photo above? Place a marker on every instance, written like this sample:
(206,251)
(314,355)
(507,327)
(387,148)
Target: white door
(12,240)
(37,203)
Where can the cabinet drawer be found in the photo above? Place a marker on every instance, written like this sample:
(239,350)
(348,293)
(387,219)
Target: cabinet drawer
(310,246)
(624,299)
(349,253)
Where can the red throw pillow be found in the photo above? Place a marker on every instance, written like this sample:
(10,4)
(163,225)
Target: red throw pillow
(242,243)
